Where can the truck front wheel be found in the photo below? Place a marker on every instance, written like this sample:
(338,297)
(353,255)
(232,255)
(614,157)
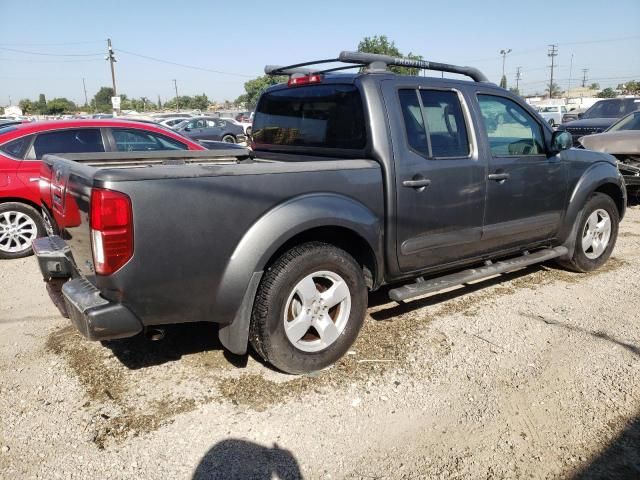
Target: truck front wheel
(596,234)
(309,308)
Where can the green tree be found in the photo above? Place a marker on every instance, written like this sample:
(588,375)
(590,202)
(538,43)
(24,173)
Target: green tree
(383,46)
(27,106)
(60,105)
(594,86)
(199,102)
(102,100)
(514,90)
(553,90)
(631,87)
(255,87)
(503,81)
(607,93)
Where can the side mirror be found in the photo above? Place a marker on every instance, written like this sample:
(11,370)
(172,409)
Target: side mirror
(561,140)
(186,129)
(580,115)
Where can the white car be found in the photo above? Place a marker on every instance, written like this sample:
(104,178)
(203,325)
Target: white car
(246,126)
(173,121)
(552,114)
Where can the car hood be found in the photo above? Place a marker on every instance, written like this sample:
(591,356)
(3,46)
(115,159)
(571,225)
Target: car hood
(627,141)
(593,122)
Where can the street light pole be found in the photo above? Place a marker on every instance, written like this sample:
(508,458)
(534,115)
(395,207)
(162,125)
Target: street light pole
(175,85)
(504,54)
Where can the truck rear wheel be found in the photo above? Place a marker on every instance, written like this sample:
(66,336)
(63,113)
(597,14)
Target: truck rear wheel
(309,308)
(20,224)
(596,234)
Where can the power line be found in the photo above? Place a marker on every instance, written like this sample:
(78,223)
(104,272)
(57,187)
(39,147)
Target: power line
(183,64)
(52,54)
(87,42)
(30,60)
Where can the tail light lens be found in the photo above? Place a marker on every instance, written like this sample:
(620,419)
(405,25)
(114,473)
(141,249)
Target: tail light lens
(111,220)
(304,80)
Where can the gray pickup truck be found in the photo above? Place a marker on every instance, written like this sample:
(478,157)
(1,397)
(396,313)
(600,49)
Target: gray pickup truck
(356,181)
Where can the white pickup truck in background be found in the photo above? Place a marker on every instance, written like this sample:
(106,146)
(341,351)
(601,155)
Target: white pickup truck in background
(552,114)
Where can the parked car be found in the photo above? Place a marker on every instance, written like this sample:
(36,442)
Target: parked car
(552,114)
(359,180)
(600,116)
(622,140)
(572,115)
(23,146)
(210,128)
(246,125)
(172,121)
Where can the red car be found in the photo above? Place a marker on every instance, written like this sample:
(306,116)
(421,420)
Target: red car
(22,146)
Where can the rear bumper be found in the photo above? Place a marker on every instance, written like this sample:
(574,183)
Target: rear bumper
(94,316)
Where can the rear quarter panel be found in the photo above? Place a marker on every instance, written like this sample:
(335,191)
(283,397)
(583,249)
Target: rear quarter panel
(199,238)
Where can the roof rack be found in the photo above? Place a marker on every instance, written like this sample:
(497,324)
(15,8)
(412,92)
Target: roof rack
(374,63)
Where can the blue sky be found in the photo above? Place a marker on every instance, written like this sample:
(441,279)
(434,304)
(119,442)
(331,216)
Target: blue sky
(241,37)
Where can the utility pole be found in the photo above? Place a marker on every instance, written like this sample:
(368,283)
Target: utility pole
(112,59)
(159,103)
(175,85)
(570,73)
(553,52)
(504,54)
(518,77)
(584,77)
(84,86)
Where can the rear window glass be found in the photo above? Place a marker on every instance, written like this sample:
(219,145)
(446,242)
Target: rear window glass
(323,116)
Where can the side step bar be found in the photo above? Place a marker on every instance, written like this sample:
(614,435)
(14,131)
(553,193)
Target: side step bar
(423,287)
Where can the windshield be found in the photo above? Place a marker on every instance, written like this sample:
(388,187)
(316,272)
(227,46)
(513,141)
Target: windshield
(321,116)
(612,108)
(630,122)
(550,109)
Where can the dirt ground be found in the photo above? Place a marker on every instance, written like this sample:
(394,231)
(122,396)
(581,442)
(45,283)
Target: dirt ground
(535,374)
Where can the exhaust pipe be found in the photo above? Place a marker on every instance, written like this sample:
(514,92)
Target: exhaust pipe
(154,334)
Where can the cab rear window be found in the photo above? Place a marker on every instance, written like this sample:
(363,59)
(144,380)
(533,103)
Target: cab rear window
(321,116)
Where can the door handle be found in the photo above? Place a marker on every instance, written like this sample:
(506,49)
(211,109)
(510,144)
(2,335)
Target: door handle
(498,177)
(417,183)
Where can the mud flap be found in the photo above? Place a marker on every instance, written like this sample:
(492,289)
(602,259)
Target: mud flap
(235,336)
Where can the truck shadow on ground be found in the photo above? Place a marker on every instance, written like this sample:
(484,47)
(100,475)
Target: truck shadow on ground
(179,340)
(239,459)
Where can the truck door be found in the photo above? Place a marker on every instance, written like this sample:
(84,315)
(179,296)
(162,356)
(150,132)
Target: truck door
(440,181)
(527,187)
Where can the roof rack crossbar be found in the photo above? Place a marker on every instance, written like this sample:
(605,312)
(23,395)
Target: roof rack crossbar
(375,63)
(374,58)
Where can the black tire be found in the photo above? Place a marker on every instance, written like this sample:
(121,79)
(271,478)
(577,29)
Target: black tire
(229,138)
(24,209)
(580,262)
(267,332)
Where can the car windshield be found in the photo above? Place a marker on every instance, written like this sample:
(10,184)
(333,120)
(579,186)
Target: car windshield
(630,122)
(550,109)
(615,108)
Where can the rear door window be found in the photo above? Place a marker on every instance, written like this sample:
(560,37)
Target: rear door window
(81,140)
(129,140)
(321,116)
(435,123)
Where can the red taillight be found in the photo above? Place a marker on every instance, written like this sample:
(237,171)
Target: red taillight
(111,220)
(304,80)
